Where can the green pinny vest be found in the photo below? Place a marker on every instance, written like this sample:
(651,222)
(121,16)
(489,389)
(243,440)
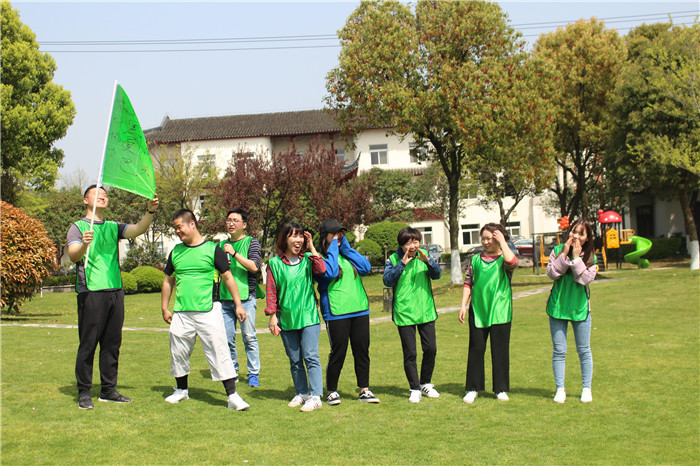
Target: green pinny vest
(568,300)
(413,294)
(240,273)
(102,272)
(295,293)
(195,277)
(347,294)
(492,299)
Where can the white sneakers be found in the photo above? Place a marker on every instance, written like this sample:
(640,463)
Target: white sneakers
(503,396)
(586,395)
(428,390)
(297,401)
(470,397)
(178,395)
(312,403)
(415,396)
(560,395)
(236,402)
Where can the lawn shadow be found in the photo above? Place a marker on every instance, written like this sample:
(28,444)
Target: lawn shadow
(72,390)
(26,317)
(534,392)
(211,396)
(391,390)
(257,392)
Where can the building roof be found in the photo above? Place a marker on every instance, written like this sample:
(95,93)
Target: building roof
(305,122)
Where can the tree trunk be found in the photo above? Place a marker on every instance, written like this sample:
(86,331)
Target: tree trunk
(691,231)
(456,267)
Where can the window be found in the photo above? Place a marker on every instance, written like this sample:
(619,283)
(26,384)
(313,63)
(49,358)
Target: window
(378,154)
(207,159)
(340,155)
(470,234)
(202,200)
(243,155)
(418,154)
(513,228)
(469,193)
(427,233)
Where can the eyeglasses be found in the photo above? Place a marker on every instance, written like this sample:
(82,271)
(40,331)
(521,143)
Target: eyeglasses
(233,222)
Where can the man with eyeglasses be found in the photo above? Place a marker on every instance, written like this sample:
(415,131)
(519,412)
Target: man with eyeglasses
(244,255)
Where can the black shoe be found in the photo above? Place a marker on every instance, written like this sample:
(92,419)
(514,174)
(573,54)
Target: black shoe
(115,397)
(85,401)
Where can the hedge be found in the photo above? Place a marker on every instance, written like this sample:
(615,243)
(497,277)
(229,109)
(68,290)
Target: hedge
(129,283)
(372,250)
(149,279)
(59,280)
(385,233)
(661,248)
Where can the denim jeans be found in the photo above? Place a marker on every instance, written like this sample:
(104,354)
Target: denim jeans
(250,338)
(302,349)
(582,335)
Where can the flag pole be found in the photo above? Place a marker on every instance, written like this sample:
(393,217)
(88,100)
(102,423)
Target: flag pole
(102,163)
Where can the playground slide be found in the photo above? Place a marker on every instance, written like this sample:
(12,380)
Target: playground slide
(643,247)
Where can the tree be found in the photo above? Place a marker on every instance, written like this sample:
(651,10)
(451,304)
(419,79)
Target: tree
(657,113)
(392,195)
(34,112)
(443,75)
(61,209)
(586,60)
(27,257)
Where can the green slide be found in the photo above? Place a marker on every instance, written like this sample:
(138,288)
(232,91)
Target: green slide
(643,247)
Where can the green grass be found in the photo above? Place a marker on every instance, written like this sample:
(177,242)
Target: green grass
(646,407)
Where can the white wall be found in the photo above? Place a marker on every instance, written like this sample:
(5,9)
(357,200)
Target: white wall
(224,149)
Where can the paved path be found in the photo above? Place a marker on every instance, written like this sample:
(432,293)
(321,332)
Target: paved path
(386,318)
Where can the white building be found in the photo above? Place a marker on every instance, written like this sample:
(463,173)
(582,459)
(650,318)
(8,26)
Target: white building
(218,139)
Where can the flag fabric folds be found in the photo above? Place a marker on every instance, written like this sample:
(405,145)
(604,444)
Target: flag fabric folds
(127,163)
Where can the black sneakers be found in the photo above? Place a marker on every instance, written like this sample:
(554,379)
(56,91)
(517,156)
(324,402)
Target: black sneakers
(115,397)
(85,401)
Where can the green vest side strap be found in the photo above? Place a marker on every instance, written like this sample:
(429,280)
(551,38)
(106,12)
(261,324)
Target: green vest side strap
(102,270)
(568,300)
(413,294)
(195,277)
(240,273)
(347,294)
(295,293)
(492,299)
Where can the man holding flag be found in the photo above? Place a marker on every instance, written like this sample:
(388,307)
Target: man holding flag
(93,244)
(100,293)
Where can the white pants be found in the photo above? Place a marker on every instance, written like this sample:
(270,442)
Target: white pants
(184,329)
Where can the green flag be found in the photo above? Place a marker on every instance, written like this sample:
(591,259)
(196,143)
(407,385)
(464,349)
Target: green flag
(127,163)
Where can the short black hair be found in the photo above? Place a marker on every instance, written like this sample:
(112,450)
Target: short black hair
(241,212)
(408,234)
(87,190)
(187,215)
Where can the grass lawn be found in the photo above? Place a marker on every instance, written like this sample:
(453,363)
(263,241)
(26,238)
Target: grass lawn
(646,389)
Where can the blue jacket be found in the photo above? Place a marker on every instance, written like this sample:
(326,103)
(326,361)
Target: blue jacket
(358,260)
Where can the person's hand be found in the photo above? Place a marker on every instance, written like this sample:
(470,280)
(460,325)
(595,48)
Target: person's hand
(421,255)
(577,248)
(567,246)
(240,313)
(154,203)
(498,236)
(229,249)
(310,242)
(274,328)
(407,257)
(462,313)
(167,316)
(88,237)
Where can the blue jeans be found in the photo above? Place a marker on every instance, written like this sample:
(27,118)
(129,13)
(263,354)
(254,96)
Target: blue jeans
(302,349)
(250,338)
(582,334)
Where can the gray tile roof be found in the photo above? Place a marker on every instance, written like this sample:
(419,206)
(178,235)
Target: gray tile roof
(243,126)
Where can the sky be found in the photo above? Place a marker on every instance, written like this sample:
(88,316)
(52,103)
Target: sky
(282,75)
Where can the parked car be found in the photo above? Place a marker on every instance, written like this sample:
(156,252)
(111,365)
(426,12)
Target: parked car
(524,247)
(435,251)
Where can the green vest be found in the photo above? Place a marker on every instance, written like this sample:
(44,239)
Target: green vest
(568,300)
(240,273)
(195,277)
(102,271)
(492,299)
(413,294)
(295,293)
(346,294)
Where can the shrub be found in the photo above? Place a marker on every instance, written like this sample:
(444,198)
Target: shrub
(373,251)
(149,279)
(385,233)
(27,256)
(144,254)
(129,283)
(59,280)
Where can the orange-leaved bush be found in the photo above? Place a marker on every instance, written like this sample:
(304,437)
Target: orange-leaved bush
(27,256)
